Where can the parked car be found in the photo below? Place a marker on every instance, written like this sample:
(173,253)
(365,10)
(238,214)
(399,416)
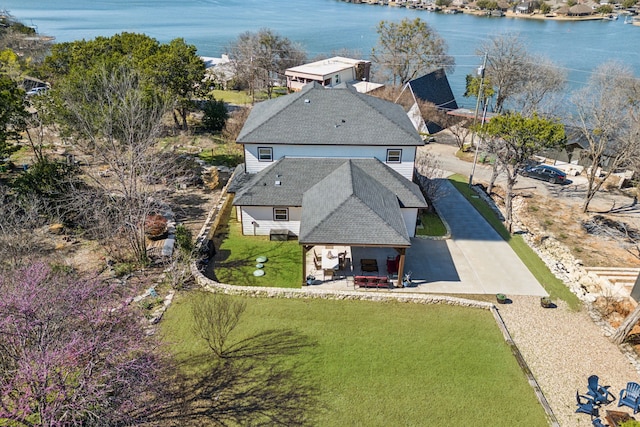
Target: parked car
(37,90)
(545,173)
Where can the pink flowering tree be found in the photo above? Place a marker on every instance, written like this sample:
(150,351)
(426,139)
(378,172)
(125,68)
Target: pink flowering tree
(71,353)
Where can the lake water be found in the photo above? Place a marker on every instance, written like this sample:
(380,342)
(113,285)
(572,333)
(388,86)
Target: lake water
(323,26)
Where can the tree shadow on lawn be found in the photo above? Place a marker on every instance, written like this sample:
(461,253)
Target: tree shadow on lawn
(255,383)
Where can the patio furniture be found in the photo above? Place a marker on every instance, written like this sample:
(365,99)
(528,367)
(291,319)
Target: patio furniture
(342,261)
(600,394)
(630,397)
(586,405)
(327,272)
(329,259)
(317,264)
(377,282)
(368,265)
(598,423)
(316,257)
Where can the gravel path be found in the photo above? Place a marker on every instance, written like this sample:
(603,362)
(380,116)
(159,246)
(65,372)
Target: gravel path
(563,348)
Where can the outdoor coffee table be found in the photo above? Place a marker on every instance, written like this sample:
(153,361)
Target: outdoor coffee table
(616,418)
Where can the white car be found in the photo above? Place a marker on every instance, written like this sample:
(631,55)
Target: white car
(37,90)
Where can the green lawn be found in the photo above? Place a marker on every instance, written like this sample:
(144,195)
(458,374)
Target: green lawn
(232,96)
(384,364)
(555,287)
(432,225)
(236,260)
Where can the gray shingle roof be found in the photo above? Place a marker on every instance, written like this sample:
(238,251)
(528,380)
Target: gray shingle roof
(350,207)
(319,116)
(297,175)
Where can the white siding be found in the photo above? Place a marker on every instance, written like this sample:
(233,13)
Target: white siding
(332,151)
(263,218)
(410,217)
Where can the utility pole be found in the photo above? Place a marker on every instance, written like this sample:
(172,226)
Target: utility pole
(480,73)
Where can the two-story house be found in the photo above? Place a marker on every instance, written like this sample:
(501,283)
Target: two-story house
(330,166)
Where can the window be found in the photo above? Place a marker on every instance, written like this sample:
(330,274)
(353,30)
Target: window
(265,154)
(337,78)
(280,214)
(394,156)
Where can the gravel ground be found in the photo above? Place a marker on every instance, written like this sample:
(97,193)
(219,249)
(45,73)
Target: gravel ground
(563,348)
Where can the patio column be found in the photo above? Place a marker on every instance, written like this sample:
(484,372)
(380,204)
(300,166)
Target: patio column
(305,249)
(402,252)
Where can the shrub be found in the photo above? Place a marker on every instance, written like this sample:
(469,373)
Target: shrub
(184,239)
(215,115)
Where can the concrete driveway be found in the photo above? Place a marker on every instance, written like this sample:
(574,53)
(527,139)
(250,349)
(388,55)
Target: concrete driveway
(475,260)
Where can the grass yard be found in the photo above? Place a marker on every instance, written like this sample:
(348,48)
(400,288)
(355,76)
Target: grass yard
(431,225)
(556,288)
(236,259)
(384,364)
(239,97)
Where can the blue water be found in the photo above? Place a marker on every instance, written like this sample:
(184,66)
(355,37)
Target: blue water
(324,26)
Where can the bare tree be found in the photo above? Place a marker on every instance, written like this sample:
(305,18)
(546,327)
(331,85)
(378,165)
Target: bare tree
(116,122)
(543,85)
(607,118)
(261,58)
(409,48)
(522,80)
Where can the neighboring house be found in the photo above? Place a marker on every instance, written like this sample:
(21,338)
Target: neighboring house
(219,71)
(330,166)
(330,72)
(433,88)
(525,7)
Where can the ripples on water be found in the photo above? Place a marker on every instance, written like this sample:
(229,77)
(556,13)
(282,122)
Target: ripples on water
(323,26)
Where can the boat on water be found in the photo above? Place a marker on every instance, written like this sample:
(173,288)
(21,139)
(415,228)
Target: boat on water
(610,17)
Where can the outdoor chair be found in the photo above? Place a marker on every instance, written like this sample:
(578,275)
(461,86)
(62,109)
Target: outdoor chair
(598,423)
(600,394)
(630,397)
(586,405)
(327,272)
(316,257)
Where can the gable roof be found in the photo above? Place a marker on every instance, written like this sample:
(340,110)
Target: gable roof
(319,116)
(297,175)
(350,207)
(434,87)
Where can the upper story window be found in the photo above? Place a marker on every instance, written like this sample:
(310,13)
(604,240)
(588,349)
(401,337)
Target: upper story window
(280,214)
(394,156)
(265,154)
(337,78)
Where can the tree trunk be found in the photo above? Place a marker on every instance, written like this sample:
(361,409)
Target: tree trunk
(623,330)
(494,175)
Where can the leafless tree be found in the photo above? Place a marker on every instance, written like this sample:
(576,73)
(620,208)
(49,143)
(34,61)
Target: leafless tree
(116,122)
(261,58)
(20,219)
(607,117)
(541,89)
(520,79)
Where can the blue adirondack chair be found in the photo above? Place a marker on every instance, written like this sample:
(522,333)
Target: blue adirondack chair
(598,423)
(586,405)
(600,394)
(630,397)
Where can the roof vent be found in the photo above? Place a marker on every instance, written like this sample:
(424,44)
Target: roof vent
(278,183)
(307,101)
